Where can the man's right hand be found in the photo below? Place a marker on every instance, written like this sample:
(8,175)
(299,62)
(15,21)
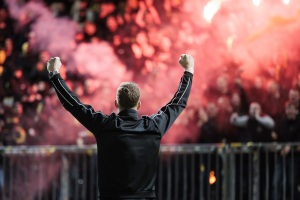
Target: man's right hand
(54,64)
(187,62)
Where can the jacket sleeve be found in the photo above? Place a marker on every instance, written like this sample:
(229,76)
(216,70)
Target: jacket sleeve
(167,115)
(85,114)
(266,121)
(240,121)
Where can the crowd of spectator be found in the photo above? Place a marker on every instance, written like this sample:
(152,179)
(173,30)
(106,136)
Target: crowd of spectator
(233,112)
(245,116)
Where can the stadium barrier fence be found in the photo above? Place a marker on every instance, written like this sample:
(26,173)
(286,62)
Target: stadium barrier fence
(185,172)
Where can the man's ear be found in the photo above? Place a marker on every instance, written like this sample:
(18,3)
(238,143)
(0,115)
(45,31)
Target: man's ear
(139,105)
(116,103)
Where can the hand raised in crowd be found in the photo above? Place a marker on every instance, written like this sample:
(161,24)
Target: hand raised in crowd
(285,150)
(257,113)
(187,62)
(233,117)
(54,64)
(274,135)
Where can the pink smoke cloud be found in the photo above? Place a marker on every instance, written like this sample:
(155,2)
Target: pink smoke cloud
(239,37)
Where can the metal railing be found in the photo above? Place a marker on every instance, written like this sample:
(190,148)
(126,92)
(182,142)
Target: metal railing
(185,172)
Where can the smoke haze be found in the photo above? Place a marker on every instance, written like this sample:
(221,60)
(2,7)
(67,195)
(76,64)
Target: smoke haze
(227,38)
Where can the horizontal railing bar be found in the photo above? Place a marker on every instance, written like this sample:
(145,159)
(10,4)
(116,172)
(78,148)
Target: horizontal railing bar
(166,148)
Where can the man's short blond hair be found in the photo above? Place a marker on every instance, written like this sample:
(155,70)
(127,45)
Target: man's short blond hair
(128,95)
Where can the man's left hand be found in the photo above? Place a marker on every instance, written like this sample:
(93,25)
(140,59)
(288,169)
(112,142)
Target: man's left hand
(54,64)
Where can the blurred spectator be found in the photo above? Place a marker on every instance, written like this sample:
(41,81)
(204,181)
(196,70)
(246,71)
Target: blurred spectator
(289,127)
(221,93)
(240,105)
(258,125)
(256,89)
(288,131)
(239,99)
(274,100)
(294,98)
(209,131)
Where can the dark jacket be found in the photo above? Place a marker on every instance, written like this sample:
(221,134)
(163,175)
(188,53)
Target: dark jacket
(256,129)
(128,146)
(258,132)
(209,132)
(289,130)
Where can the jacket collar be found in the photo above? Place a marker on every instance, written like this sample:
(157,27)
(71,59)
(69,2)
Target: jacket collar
(129,113)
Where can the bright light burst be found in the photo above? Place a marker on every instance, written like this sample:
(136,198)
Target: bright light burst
(256,2)
(286,1)
(210,9)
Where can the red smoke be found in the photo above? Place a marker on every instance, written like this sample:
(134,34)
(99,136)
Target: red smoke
(227,38)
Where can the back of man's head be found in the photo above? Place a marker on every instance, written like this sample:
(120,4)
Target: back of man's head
(128,95)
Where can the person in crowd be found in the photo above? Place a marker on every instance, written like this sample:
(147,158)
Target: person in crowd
(258,128)
(287,165)
(294,98)
(258,125)
(220,93)
(239,99)
(238,104)
(209,132)
(274,100)
(256,88)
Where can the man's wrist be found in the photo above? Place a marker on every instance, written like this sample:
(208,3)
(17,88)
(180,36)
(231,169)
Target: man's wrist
(189,70)
(52,73)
